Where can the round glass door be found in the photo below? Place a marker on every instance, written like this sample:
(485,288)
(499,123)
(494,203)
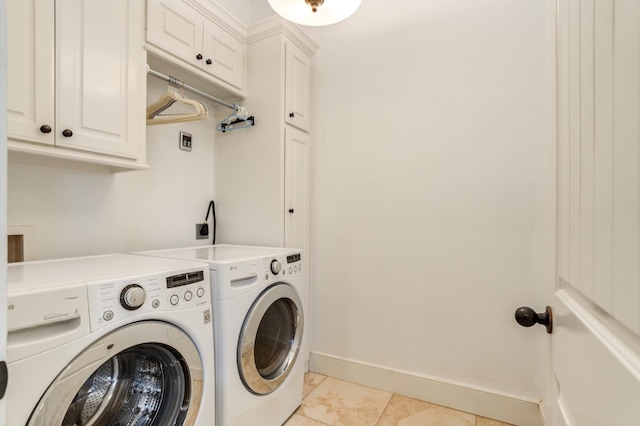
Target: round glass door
(270,339)
(120,382)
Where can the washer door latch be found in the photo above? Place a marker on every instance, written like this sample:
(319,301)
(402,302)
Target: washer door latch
(4,376)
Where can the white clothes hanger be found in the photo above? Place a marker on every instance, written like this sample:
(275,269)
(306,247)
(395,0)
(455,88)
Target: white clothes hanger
(238,119)
(170,97)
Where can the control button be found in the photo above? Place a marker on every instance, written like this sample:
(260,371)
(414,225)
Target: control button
(276,267)
(108,315)
(300,268)
(188,296)
(132,297)
(290,270)
(174,299)
(200,292)
(155,303)
(295,269)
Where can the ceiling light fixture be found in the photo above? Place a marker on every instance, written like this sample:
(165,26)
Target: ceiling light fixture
(315,12)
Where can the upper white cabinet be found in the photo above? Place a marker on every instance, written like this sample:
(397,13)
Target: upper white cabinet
(31,67)
(188,36)
(77,80)
(297,87)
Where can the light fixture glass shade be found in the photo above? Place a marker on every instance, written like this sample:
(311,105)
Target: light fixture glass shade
(328,12)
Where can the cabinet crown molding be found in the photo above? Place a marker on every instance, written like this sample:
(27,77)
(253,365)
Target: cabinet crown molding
(278,25)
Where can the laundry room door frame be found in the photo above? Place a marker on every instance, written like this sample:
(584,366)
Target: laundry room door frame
(3,193)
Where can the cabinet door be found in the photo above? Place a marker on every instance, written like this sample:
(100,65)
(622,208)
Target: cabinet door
(224,55)
(100,73)
(297,87)
(296,193)
(30,70)
(176,28)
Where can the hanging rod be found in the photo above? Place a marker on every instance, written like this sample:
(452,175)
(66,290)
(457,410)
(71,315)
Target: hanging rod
(238,119)
(181,84)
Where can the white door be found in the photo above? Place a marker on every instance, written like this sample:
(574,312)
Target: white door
(595,345)
(31,62)
(224,55)
(176,28)
(98,70)
(297,87)
(3,196)
(296,191)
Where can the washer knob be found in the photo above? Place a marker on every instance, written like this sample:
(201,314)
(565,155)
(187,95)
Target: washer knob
(132,297)
(276,267)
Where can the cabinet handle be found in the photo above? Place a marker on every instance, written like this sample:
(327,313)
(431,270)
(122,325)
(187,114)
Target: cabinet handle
(291,115)
(199,57)
(45,129)
(291,210)
(67,133)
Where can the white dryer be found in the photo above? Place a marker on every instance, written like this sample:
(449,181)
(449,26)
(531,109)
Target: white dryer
(110,340)
(261,332)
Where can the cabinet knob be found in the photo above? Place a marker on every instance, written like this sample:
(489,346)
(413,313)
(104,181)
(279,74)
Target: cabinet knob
(199,57)
(67,133)
(291,210)
(45,129)
(209,61)
(291,115)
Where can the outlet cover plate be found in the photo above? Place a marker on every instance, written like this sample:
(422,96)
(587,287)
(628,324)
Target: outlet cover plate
(185,141)
(198,236)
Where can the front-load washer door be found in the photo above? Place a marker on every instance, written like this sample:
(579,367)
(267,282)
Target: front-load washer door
(270,339)
(144,374)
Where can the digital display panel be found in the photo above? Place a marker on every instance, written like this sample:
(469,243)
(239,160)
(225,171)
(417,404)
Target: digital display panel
(293,258)
(185,279)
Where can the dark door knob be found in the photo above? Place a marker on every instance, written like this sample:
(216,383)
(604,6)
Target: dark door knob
(67,133)
(45,129)
(291,115)
(209,61)
(527,317)
(291,210)
(199,57)
(4,378)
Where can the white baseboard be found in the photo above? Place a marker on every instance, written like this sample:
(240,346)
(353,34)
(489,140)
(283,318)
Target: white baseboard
(488,403)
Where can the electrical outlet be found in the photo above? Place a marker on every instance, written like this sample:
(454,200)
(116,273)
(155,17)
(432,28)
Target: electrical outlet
(202,231)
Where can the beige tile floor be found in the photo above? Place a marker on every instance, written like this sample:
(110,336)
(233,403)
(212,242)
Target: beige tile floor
(329,401)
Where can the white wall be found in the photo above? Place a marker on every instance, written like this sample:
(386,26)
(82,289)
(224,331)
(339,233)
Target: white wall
(248,11)
(88,210)
(428,188)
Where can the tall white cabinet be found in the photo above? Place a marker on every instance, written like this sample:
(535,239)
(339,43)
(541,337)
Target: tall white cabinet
(77,80)
(262,173)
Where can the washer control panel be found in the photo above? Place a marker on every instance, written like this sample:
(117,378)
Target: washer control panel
(116,300)
(282,266)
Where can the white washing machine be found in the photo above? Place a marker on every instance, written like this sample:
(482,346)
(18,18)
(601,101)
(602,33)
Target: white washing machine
(110,340)
(261,336)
